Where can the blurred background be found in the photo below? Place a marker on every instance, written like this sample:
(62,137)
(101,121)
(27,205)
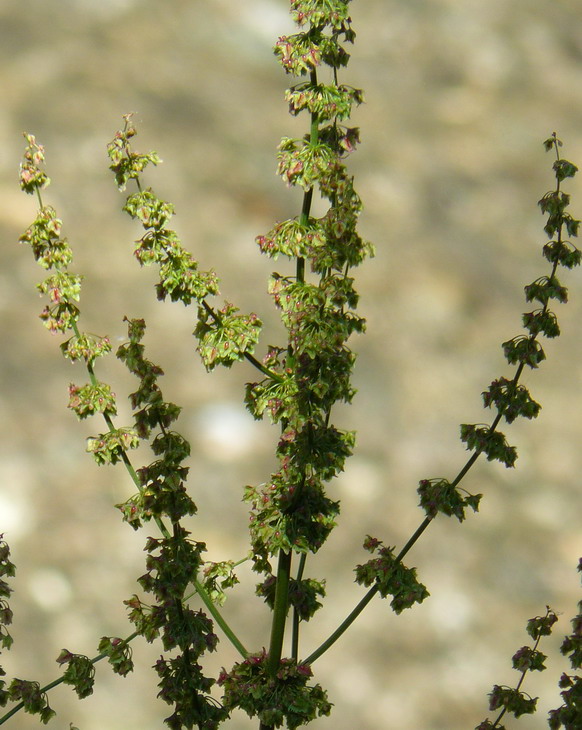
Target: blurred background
(460,95)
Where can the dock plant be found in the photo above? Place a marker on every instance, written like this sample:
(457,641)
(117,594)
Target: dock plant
(178,598)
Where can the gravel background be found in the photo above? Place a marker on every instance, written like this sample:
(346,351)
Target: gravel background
(460,94)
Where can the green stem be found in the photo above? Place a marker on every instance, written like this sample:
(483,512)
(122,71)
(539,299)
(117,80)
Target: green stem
(295,628)
(346,623)
(365,600)
(303,220)
(280,609)
(306,207)
(213,610)
(265,370)
(60,680)
(413,539)
(308,195)
(220,620)
(314,129)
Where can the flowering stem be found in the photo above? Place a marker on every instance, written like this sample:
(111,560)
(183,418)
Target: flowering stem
(251,358)
(280,609)
(346,623)
(423,526)
(212,608)
(60,680)
(308,195)
(304,218)
(220,620)
(296,619)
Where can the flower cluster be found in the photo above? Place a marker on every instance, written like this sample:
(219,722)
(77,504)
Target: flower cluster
(439,495)
(112,446)
(178,677)
(7,570)
(79,672)
(511,399)
(86,347)
(481,438)
(224,337)
(390,576)
(217,578)
(508,396)
(87,400)
(118,654)
(303,595)
(513,700)
(569,715)
(162,488)
(317,304)
(173,560)
(34,700)
(303,52)
(125,163)
(283,697)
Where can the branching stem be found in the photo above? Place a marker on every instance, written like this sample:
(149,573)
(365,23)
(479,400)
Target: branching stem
(280,610)
(220,620)
(296,619)
(60,680)
(251,358)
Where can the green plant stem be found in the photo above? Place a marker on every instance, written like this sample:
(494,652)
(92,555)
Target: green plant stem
(308,195)
(304,219)
(280,609)
(213,610)
(423,526)
(60,680)
(518,685)
(295,627)
(314,130)
(425,523)
(346,623)
(220,620)
(265,370)
(281,604)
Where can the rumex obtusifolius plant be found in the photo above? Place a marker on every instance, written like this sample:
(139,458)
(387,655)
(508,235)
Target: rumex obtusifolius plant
(516,702)
(298,383)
